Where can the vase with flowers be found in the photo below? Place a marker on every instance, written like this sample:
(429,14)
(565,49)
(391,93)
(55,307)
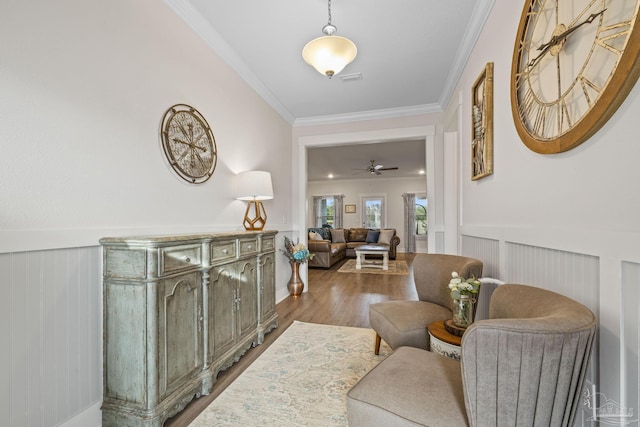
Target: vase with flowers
(463,293)
(297,254)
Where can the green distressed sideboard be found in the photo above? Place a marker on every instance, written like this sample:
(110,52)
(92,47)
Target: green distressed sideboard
(178,310)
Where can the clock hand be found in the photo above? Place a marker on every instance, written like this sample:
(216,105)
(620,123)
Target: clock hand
(560,38)
(557,39)
(189,144)
(537,59)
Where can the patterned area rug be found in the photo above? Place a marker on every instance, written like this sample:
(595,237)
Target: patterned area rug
(395,267)
(302,379)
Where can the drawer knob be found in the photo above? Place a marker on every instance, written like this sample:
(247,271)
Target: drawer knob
(188,259)
(225,251)
(249,247)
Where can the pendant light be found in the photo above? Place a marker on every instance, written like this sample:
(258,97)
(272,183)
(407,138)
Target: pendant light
(329,54)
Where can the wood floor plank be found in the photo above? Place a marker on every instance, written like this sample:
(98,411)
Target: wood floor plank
(333,298)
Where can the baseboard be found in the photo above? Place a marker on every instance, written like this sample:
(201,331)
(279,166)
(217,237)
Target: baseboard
(90,417)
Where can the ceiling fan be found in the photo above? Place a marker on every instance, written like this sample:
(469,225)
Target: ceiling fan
(374,169)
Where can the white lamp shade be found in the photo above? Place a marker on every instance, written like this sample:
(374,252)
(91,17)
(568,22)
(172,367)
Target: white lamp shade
(329,54)
(254,185)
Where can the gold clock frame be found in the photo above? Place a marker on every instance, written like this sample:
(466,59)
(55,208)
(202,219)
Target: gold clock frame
(613,93)
(194,133)
(482,124)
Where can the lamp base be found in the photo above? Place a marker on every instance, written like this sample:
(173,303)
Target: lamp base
(258,218)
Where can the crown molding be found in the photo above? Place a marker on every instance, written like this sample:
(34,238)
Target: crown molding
(369,115)
(185,10)
(479,17)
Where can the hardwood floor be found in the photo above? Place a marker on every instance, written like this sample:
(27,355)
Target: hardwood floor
(333,298)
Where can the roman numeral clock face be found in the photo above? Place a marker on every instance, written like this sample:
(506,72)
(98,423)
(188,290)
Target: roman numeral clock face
(574,63)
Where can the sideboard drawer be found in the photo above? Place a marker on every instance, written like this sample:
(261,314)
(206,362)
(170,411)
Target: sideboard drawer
(223,250)
(176,258)
(268,244)
(248,246)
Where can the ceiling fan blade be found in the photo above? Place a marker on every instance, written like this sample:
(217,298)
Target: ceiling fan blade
(378,167)
(395,168)
(376,172)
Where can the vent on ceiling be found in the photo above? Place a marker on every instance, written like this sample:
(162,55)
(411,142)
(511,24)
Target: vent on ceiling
(351,77)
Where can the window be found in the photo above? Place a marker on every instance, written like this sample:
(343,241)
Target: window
(373,212)
(327,212)
(421,216)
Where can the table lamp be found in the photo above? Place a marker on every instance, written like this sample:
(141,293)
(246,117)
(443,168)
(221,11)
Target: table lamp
(254,186)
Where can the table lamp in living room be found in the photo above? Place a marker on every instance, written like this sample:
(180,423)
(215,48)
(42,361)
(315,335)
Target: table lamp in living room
(254,186)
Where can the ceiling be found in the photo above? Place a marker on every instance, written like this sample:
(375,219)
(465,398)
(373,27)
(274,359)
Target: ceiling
(410,56)
(348,161)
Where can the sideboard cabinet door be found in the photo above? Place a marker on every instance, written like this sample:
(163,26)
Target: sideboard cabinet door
(233,317)
(247,300)
(268,316)
(179,332)
(222,311)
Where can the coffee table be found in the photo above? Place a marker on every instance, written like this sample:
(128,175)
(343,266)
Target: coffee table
(364,250)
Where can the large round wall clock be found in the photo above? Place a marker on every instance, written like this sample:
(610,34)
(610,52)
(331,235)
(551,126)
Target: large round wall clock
(188,143)
(574,63)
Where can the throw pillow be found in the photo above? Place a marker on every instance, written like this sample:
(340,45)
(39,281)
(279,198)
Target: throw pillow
(358,234)
(337,236)
(312,235)
(318,237)
(372,236)
(324,232)
(385,236)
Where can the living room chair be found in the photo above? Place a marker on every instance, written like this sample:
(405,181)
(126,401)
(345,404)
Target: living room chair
(404,323)
(525,365)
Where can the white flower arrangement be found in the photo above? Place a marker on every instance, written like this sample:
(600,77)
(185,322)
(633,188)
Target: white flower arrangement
(460,286)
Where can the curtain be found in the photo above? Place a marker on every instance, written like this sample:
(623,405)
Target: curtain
(338,210)
(410,221)
(317,211)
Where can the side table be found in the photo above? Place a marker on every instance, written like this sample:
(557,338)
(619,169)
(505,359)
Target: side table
(442,342)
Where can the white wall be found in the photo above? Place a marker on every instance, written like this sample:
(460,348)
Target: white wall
(581,204)
(84,87)
(354,189)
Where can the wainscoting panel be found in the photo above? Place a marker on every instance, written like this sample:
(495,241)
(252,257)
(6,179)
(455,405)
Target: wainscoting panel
(631,336)
(572,274)
(486,250)
(439,242)
(50,327)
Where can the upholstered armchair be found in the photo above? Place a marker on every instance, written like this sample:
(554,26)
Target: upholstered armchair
(404,323)
(525,365)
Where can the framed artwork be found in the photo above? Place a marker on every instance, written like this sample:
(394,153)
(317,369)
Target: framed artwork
(349,208)
(482,124)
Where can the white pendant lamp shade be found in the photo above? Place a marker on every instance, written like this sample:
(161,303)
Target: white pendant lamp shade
(329,54)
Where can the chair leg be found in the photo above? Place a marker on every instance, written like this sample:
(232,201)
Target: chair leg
(376,348)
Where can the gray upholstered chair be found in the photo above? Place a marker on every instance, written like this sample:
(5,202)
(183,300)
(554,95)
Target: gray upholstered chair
(525,365)
(404,323)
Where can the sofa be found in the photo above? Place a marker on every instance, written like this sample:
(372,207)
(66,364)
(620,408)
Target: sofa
(330,245)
